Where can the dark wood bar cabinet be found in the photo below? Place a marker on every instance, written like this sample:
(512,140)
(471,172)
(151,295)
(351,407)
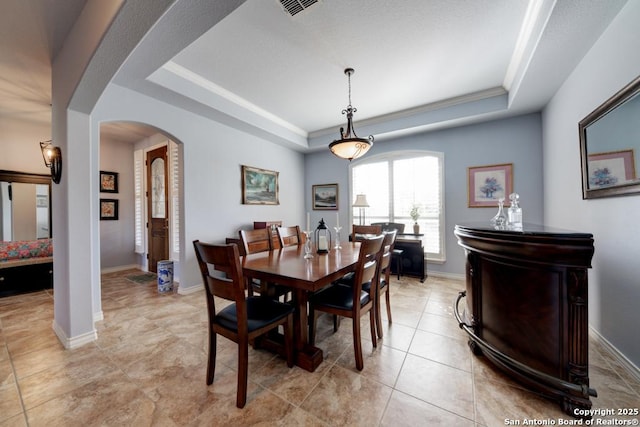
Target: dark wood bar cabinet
(526,307)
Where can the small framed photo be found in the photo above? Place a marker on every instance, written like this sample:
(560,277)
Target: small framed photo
(259,186)
(325,197)
(108,209)
(487,184)
(108,182)
(611,168)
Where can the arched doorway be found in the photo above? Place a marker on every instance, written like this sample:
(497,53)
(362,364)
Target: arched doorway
(148,198)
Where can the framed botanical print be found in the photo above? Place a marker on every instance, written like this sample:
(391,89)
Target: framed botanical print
(325,197)
(108,182)
(259,186)
(108,209)
(611,168)
(488,184)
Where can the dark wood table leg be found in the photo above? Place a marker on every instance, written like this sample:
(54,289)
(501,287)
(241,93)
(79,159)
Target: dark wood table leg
(307,357)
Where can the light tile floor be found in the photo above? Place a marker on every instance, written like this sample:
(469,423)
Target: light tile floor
(148,368)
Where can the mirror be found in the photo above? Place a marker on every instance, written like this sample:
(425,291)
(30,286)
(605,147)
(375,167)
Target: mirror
(25,206)
(610,145)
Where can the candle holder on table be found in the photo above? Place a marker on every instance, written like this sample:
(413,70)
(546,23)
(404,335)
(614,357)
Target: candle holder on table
(337,245)
(307,244)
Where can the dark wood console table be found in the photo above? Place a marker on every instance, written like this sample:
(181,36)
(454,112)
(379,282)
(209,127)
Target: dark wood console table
(526,307)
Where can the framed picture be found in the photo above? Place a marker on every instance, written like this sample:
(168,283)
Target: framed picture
(259,186)
(325,197)
(108,209)
(108,182)
(487,184)
(612,168)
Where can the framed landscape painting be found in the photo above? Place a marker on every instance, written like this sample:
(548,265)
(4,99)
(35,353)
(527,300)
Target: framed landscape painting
(487,184)
(259,186)
(325,197)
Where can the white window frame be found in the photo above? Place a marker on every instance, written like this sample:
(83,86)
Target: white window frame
(400,155)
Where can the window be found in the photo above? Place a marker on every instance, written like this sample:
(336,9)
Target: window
(396,182)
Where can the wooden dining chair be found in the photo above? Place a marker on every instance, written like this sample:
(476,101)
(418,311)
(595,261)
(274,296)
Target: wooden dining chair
(396,254)
(259,240)
(352,301)
(243,320)
(256,240)
(358,233)
(289,236)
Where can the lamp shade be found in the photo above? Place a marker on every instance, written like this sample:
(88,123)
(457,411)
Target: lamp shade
(361,201)
(350,148)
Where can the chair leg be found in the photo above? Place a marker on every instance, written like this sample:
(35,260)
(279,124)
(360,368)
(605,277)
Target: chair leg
(357,344)
(288,339)
(243,371)
(211,365)
(372,323)
(388,305)
(378,314)
(336,323)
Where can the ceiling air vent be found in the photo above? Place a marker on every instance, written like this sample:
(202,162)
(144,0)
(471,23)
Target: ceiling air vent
(296,6)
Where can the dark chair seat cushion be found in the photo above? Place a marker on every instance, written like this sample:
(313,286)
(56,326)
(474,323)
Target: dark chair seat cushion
(338,296)
(347,279)
(260,312)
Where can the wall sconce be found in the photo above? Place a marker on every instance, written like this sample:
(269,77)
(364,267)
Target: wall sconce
(52,159)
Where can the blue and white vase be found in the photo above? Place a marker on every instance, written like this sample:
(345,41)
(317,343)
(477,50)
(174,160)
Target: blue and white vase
(165,276)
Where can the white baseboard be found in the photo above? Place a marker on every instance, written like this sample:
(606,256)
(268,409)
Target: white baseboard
(628,365)
(98,316)
(190,289)
(74,342)
(445,275)
(120,268)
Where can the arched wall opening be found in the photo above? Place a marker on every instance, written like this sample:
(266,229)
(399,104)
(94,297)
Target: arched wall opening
(123,233)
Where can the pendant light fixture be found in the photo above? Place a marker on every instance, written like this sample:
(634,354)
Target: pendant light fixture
(348,146)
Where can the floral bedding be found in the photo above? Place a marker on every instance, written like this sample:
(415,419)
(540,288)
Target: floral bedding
(25,249)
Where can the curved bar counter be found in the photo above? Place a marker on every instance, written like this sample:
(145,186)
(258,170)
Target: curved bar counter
(526,306)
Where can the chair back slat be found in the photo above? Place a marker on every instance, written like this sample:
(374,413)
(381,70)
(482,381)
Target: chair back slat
(361,232)
(289,236)
(389,226)
(257,240)
(228,282)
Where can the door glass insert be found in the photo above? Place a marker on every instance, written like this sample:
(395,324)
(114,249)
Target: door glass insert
(158,202)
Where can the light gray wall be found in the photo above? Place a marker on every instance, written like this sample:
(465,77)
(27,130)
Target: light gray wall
(212,159)
(515,140)
(117,237)
(614,283)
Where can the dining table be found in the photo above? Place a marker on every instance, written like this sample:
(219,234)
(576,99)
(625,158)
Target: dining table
(304,276)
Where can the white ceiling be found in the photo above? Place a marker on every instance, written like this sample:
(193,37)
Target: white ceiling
(283,75)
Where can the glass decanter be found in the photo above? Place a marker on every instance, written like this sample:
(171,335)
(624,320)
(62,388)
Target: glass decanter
(515,212)
(499,221)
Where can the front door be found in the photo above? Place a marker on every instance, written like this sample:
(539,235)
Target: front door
(158,219)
